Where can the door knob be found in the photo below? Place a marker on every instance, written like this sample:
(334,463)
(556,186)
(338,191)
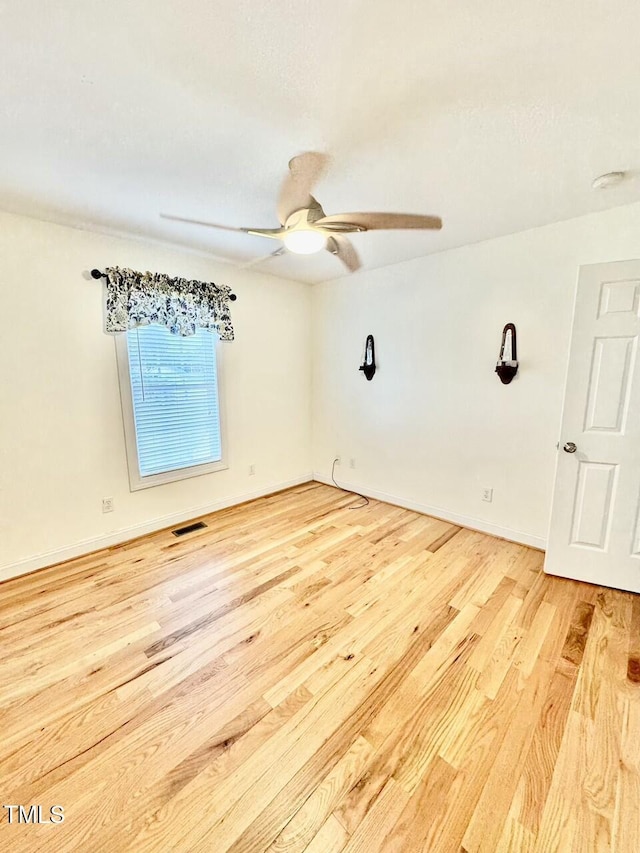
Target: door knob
(570,447)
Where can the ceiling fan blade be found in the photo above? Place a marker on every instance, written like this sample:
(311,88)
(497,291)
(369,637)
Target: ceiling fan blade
(262,258)
(343,249)
(200,222)
(377,221)
(275,233)
(305,171)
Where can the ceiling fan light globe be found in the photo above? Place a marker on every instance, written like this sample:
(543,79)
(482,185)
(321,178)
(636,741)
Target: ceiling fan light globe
(304,241)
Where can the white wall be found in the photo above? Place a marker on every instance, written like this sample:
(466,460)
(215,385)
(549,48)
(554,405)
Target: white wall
(435,425)
(61,436)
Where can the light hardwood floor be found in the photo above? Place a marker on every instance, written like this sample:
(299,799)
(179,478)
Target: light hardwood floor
(302,676)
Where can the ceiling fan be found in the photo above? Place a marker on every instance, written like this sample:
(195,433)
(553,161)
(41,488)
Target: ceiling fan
(305,227)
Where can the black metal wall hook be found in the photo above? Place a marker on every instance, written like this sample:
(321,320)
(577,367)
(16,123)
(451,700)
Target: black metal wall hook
(98,275)
(368,367)
(507,368)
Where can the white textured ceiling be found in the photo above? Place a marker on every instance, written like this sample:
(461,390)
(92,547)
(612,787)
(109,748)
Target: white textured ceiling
(495,115)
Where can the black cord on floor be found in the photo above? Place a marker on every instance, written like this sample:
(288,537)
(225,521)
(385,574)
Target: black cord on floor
(357,494)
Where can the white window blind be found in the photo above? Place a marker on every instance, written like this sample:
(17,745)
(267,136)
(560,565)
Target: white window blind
(174,389)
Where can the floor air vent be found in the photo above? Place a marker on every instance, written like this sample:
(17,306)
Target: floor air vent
(181,531)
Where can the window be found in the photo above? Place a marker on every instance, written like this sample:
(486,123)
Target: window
(170,403)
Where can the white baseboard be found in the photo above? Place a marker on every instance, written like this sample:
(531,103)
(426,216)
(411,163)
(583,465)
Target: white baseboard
(86,546)
(518,536)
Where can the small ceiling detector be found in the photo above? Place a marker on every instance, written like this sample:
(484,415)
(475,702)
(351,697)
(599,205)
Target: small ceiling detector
(610,179)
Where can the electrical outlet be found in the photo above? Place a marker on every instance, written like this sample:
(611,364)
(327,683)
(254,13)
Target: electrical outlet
(352,463)
(487,495)
(107,504)
(252,470)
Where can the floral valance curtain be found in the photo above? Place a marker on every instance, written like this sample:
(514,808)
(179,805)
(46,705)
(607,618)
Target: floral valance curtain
(182,305)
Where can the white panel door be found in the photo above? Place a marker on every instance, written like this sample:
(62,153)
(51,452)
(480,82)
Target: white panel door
(595,520)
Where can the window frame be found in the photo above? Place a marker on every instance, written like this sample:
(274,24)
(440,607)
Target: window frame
(136,480)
